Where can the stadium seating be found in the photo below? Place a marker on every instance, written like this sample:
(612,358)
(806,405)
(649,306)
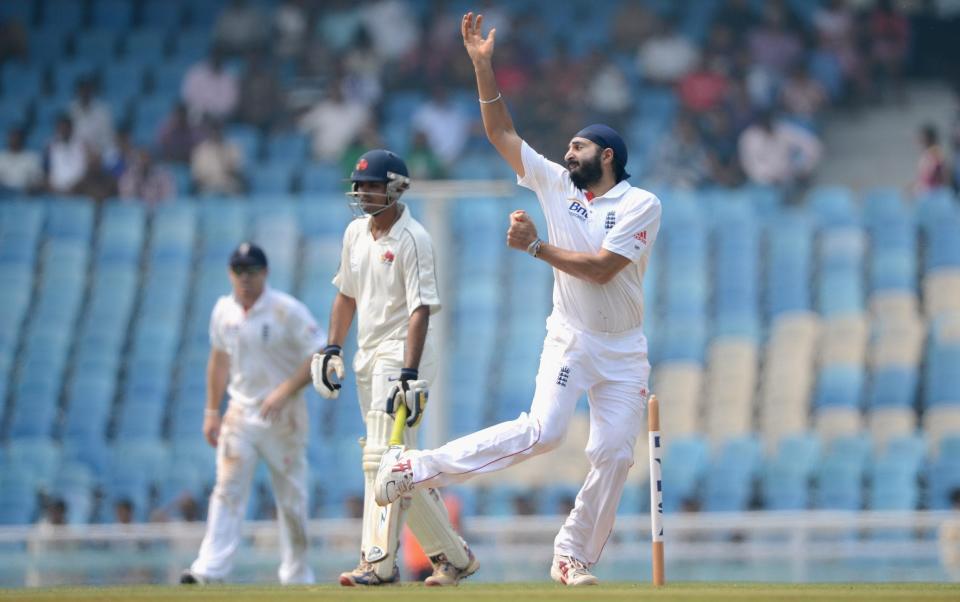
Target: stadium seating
(805,356)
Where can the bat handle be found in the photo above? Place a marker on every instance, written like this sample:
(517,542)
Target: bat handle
(399,421)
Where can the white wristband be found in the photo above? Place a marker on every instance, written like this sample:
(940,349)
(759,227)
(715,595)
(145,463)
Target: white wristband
(209,412)
(492,100)
(534,248)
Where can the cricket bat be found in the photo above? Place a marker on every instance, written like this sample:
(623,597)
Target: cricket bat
(387,530)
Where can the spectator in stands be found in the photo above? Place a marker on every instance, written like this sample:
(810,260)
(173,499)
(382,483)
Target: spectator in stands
(209,90)
(177,136)
(261,95)
(217,164)
(20,168)
(66,158)
(290,28)
(333,123)
(932,169)
(773,45)
(738,16)
(955,147)
(720,143)
(92,121)
(422,162)
(116,161)
(445,125)
(889,44)
(608,94)
(836,29)
(368,137)
(239,29)
(146,180)
(123,511)
(681,160)
(803,97)
(392,26)
(362,70)
(667,55)
(778,153)
(704,88)
(13,40)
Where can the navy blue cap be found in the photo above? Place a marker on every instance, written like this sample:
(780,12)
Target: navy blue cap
(605,136)
(248,255)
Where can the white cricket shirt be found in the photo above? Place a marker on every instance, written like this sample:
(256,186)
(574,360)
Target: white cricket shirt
(625,221)
(266,344)
(389,277)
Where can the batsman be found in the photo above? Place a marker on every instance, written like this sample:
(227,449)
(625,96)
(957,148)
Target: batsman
(387,278)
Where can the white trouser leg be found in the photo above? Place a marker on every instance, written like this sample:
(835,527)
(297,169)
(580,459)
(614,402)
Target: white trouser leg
(284,448)
(236,461)
(616,419)
(560,382)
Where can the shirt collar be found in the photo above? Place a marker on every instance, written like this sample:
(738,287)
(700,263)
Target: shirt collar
(402,221)
(616,192)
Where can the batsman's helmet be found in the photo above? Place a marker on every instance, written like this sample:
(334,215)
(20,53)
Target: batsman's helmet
(379,165)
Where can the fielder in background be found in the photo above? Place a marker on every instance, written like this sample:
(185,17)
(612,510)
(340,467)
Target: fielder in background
(264,341)
(600,230)
(387,277)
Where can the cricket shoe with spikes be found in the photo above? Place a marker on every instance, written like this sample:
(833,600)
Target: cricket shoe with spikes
(570,571)
(444,573)
(188,577)
(394,476)
(365,574)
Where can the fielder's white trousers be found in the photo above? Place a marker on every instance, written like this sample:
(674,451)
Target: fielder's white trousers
(282,443)
(613,370)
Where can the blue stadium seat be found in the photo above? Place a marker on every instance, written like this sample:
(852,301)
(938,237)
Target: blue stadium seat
(192,44)
(274,177)
(167,15)
(893,485)
(18,498)
(894,386)
(839,486)
(833,207)
(71,219)
(684,463)
(290,148)
(322,178)
(146,46)
(97,45)
(74,484)
(942,379)
(39,455)
(65,15)
(784,487)
(21,82)
(112,14)
(46,45)
(943,244)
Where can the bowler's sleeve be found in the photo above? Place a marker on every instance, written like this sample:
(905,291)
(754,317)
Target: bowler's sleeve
(636,229)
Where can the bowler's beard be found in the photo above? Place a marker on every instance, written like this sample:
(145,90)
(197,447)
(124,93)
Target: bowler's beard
(587,173)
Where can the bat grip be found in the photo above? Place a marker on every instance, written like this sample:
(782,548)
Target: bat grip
(399,421)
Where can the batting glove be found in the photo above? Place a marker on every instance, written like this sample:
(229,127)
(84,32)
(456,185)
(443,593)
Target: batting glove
(412,393)
(327,371)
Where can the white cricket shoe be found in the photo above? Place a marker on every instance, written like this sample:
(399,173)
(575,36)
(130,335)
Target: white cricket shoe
(570,571)
(365,574)
(394,476)
(444,573)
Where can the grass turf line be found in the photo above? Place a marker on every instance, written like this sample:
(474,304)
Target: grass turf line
(673,592)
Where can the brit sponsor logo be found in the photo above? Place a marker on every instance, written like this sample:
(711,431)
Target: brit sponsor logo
(579,211)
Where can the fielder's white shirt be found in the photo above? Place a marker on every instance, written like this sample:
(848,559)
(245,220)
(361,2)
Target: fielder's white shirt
(389,277)
(624,221)
(266,344)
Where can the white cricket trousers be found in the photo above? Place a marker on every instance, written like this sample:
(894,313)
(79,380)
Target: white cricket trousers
(613,370)
(282,443)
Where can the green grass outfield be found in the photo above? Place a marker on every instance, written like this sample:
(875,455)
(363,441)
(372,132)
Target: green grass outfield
(505,592)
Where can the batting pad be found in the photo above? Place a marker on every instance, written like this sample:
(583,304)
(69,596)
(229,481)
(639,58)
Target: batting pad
(430,523)
(379,425)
